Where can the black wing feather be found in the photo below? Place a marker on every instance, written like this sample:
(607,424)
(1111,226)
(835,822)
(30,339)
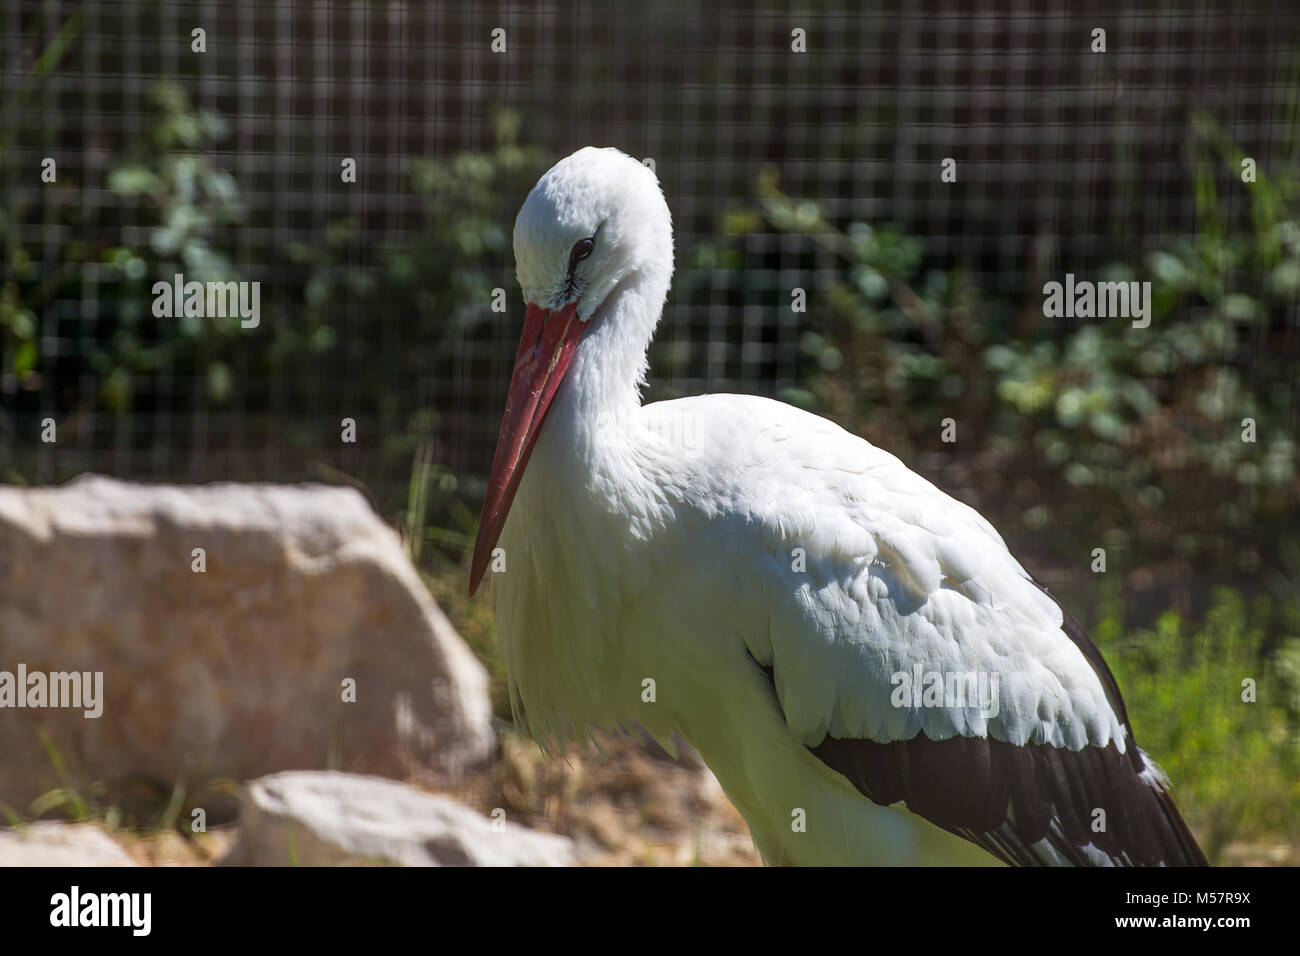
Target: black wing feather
(1021,802)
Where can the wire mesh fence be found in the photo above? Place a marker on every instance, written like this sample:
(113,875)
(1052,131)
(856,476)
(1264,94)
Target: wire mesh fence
(213,139)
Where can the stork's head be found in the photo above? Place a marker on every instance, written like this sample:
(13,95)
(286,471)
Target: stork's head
(594,219)
(594,228)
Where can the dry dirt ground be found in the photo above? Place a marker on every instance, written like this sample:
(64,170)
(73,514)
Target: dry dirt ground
(626,804)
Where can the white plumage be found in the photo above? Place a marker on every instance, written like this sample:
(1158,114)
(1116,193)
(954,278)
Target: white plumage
(756,579)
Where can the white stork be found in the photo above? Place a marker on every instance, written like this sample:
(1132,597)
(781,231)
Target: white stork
(780,592)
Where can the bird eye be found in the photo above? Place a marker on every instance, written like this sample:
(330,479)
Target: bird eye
(581,249)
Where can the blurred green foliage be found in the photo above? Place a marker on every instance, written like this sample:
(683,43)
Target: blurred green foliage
(178,211)
(1126,437)
(439,278)
(177,202)
(1218,706)
(19,348)
(185,201)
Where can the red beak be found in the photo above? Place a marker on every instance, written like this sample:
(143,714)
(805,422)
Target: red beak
(545,350)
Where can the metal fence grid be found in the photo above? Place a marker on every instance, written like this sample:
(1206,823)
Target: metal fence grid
(1063,154)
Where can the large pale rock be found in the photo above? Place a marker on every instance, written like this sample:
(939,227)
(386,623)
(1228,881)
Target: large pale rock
(60,844)
(327,819)
(236,671)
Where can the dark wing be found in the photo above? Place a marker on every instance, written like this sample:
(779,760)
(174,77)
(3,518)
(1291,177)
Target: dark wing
(1029,805)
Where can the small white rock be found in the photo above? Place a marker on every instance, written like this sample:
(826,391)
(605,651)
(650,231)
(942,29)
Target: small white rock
(60,844)
(325,818)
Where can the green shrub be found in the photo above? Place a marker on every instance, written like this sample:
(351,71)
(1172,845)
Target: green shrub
(1218,706)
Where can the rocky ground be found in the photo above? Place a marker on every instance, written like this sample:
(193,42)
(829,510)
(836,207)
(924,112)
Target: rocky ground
(627,803)
(624,805)
(223,633)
